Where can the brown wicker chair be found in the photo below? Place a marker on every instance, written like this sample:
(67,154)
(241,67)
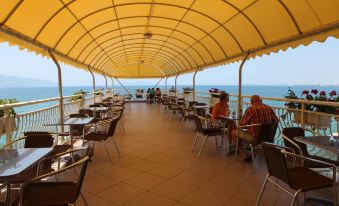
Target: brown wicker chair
(204,133)
(299,178)
(100,132)
(266,133)
(289,134)
(47,190)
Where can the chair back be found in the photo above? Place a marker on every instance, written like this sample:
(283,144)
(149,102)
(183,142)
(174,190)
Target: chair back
(289,134)
(37,139)
(198,124)
(267,132)
(192,103)
(112,127)
(43,190)
(275,161)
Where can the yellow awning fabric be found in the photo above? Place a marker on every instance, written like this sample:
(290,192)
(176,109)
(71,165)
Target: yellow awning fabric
(157,38)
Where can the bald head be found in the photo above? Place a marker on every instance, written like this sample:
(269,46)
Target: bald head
(255,99)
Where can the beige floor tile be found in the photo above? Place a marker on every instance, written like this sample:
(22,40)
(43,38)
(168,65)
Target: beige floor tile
(150,199)
(122,173)
(120,193)
(145,181)
(165,171)
(95,183)
(191,178)
(237,202)
(161,158)
(202,197)
(143,165)
(172,190)
(95,200)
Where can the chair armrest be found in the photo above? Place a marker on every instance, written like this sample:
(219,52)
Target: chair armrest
(250,125)
(12,142)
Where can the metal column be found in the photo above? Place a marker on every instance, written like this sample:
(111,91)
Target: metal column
(240,87)
(112,85)
(166,85)
(175,84)
(93,84)
(195,73)
(103,74)
(122,86)
(158,83)
(61,101)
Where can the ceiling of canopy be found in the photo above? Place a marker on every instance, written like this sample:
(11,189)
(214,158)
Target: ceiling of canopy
(157,38)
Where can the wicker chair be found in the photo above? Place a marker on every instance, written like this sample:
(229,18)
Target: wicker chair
(47,190)
(205,133)
(289,134)
(100,132)
(299,178)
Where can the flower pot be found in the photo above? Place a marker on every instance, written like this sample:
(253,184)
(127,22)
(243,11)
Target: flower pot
(297,117)
(186,95)
(172,93)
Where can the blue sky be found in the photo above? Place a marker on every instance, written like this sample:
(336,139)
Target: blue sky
(314,64)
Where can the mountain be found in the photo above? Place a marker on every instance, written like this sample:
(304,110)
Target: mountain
(12,81)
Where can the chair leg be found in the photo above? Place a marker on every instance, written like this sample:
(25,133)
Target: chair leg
(195,141)
(83,198)
(182,122)
(202,146)
(116,146)
(295,197)
(121,130)
(236,148)
(109,155)
(252,155)
(262,190)
(216,143)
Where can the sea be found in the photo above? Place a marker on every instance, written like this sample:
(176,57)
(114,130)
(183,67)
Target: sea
(36,93)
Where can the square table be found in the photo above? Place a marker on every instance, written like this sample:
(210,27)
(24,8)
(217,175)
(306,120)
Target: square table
(328,143)
(15,161)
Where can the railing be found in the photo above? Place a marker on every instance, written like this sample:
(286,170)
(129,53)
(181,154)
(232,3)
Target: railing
(35,120)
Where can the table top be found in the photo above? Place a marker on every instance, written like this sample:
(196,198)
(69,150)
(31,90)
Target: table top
(201,106)
(14,161)
(73,121)
(98,108)
(329,143)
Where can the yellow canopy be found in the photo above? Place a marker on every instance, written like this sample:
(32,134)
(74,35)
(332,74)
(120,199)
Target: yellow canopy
(157,38)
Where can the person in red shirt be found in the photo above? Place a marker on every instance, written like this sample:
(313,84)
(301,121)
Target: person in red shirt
(221,108)
(257,113)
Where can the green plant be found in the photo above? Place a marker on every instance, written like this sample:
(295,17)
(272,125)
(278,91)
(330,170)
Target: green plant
(7,101)
(78,95)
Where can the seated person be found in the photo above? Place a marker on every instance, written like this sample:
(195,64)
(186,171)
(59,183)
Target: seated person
(257,113)
(151,95)
(158,92)
(221,108)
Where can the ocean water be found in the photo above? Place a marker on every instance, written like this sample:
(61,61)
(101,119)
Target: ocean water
(30,94)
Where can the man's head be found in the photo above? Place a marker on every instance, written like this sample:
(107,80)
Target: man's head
(224,97)
(255,99)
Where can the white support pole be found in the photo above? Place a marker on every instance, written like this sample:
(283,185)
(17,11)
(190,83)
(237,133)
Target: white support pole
(103,74)
(112,85)
(61,101)
(194,94)
(158,83)
(240,87)
(93,77)
(175,84)
(122,86)
(166,85)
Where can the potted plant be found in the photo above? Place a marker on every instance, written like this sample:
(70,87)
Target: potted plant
(79,96)
(320,115)
(11,118)
(172,91)
(215,95)
(187,91)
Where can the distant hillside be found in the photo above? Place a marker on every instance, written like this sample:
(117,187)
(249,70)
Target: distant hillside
(11,81)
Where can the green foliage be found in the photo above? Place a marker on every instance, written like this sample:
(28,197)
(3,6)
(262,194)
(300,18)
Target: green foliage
(7,101)
(79,95)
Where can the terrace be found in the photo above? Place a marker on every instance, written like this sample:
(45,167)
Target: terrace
(142,157)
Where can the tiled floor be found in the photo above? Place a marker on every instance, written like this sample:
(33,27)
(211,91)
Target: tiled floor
(158,168)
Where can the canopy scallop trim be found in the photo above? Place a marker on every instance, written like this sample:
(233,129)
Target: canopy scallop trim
(161,38)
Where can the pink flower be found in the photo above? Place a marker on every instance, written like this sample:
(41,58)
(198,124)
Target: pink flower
(305,92)
(333,93)
(314,91)
(322,93)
